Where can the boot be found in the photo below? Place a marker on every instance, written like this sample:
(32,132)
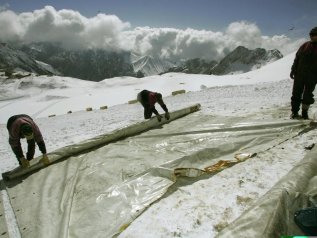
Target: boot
(305,114)
(305,108)
(295,115)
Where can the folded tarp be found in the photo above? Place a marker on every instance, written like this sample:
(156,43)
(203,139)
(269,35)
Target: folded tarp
(99,193)
(98,141)
(273,213)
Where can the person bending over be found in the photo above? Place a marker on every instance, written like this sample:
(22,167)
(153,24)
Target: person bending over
(148,100)
(22,126)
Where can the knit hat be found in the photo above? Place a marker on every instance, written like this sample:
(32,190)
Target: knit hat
(26,130)
(313,32)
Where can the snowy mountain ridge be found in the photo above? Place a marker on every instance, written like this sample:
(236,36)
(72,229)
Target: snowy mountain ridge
(242,60)
(99,64)
(149,65)
(16,60)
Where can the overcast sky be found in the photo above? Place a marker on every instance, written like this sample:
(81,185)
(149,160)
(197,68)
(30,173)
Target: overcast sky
(166,28)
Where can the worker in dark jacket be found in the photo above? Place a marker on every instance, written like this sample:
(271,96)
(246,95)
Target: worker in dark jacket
(304,73)
(23,126)
(148,100)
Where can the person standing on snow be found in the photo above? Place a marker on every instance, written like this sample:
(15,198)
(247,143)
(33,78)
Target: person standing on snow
(23,126)
(304,73)
(148,100)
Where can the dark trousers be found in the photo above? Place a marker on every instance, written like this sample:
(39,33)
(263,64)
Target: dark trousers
(303,89)
(147,113)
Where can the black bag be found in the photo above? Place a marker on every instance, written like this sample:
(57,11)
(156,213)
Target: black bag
(306,219)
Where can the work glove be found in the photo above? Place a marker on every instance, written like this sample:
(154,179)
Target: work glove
(159,118)
(292,75)
(167,116)
(24,162)
(45,160)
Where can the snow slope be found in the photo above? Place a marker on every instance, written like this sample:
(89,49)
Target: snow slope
(200,209)
(46,95)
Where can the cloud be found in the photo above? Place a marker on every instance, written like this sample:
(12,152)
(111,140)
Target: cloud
(4,7)
(185,44)
(109,32)
(244,33)
(10,28)
(66,26)
(175,43)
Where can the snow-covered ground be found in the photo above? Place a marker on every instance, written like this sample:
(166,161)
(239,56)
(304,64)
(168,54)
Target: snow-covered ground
(200,209)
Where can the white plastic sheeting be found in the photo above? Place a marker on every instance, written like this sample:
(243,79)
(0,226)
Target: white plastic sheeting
(3,226)
(99,193)
(98,141)
(273,214)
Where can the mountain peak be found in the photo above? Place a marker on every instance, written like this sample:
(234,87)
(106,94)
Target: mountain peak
(242,60)
(149,65)
(12,59)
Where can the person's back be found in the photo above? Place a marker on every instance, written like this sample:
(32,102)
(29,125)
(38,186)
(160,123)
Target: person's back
(307,60)
(14,127)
